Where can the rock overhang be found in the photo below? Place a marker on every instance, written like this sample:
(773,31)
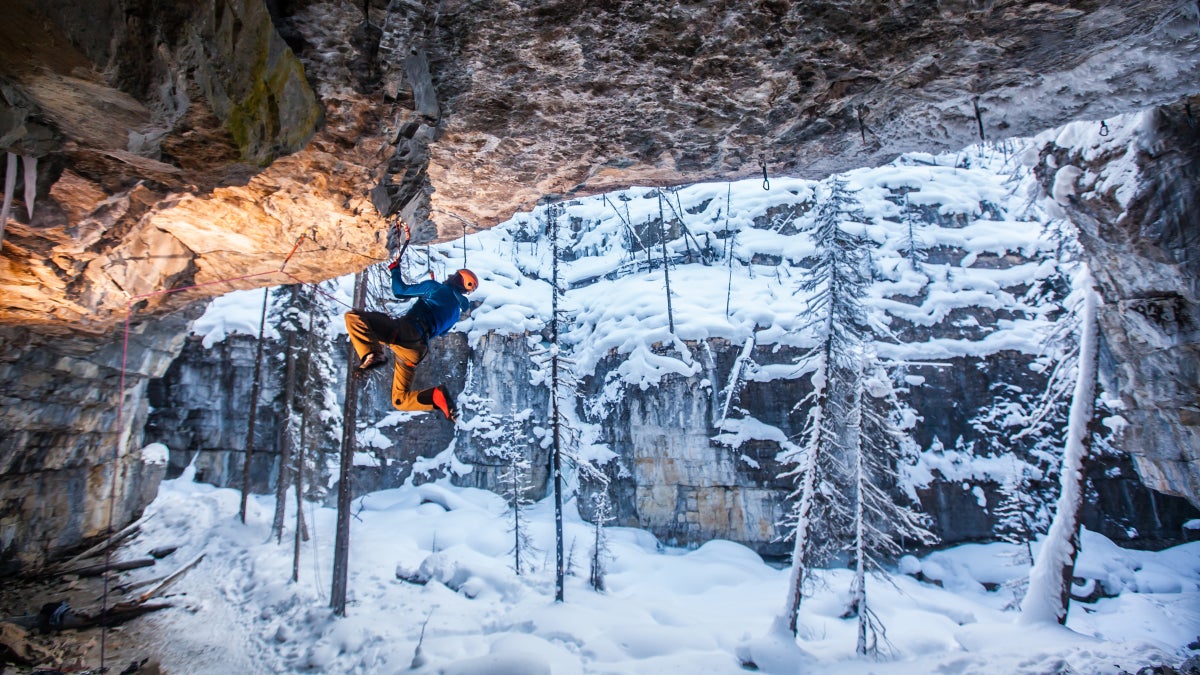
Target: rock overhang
(200,142)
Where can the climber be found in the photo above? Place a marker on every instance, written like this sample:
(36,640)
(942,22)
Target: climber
(438,306)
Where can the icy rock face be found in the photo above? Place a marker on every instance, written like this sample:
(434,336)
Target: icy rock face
(501,369)
(672,479)
(677,482)
(201,409)
(1144,249)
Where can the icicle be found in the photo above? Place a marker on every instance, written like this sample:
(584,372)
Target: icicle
(10,182)
(30,163)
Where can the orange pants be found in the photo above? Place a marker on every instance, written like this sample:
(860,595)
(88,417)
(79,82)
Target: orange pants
(368,330)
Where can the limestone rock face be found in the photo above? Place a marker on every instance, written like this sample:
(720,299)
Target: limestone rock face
(199,144)
(175,144)
(69,426)
(1143,243)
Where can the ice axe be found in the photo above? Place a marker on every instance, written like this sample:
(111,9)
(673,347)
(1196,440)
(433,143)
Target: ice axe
(400,226)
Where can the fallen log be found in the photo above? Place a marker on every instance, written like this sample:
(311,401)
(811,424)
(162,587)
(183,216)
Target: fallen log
(170,580)
(129,587)
(101,568)
(111,542)
(59,616)
(54,618)
(163,551)
(120,613)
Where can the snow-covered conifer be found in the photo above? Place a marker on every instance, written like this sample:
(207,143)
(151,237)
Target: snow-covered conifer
(516,485)
(817,463)
(882,524)
(913,243)
(601,516)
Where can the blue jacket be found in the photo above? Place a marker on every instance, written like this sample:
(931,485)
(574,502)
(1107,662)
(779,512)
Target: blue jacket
(437,308)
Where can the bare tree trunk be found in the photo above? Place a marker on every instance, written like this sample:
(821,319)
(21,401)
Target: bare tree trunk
(285,441)
(301,530)
(729,257)
(341,547)
(858,591)
(249,449)
(1050,579)
(556,455)
(666,265)
(516,511)
(801,565)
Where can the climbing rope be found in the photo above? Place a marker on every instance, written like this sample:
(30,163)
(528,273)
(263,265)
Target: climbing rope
(129,310)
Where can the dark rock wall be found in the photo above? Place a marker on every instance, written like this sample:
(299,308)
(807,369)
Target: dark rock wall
(201,408)
(61,443)
(671,478)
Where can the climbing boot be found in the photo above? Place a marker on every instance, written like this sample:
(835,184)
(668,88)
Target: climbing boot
(442,400)
(372,360)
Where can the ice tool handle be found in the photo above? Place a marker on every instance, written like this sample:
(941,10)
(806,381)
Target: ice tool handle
(399,231)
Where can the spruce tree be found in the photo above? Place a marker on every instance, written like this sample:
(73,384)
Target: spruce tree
(844,462)
(554,368)
(602,515)
(556,425)
(516,486)
(817,461)
(913,243)
(301,317)
(502,438)
(248,450)
(881,524)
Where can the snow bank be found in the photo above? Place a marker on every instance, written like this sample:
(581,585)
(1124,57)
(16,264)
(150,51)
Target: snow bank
(709,610)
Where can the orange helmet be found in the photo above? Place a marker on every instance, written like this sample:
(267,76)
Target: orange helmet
(467,279)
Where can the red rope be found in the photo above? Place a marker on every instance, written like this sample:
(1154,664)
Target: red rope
(317,289)
(202,285)
(293,252)
(112,494)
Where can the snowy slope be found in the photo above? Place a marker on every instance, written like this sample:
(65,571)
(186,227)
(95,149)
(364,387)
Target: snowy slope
(666,610)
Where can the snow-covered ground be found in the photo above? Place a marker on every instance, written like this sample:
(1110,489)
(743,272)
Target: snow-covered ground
(665,610)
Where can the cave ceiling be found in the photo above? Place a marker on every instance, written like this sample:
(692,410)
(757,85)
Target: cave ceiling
(182,143)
